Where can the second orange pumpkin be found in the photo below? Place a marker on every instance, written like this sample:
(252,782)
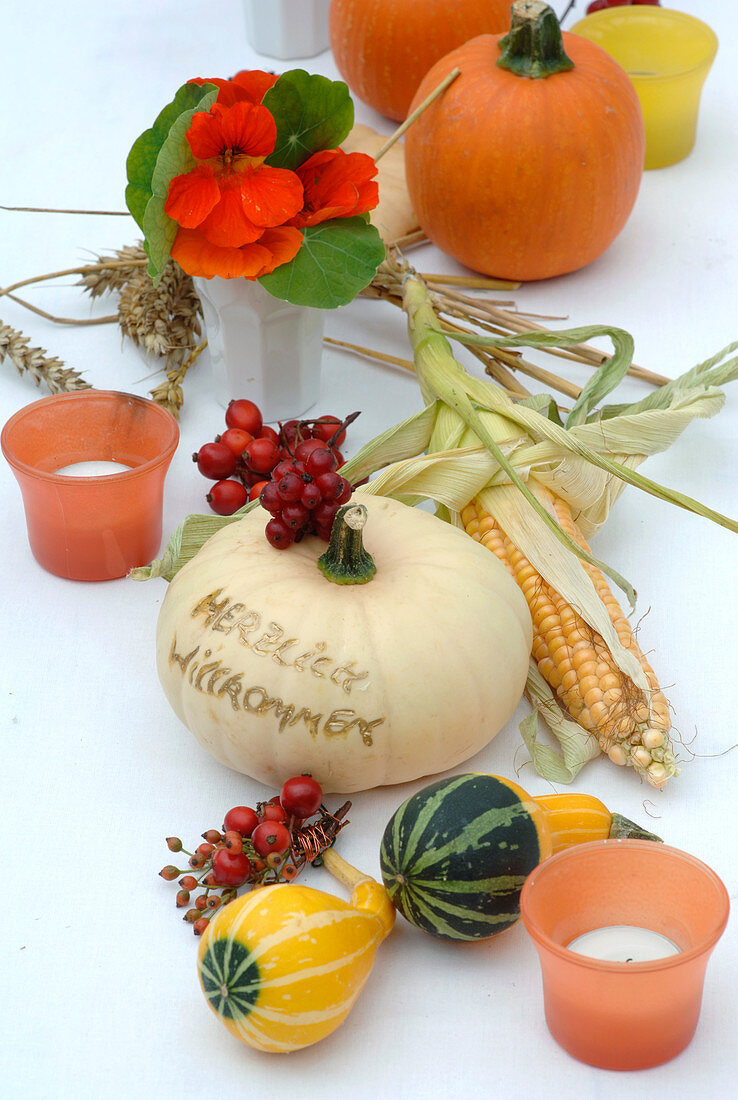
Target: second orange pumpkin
(526,176)
(383,48)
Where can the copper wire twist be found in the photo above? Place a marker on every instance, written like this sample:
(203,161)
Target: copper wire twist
(308,843)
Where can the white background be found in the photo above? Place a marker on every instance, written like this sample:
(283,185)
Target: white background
(100,995)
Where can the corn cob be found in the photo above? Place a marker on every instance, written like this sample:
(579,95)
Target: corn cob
(631,725)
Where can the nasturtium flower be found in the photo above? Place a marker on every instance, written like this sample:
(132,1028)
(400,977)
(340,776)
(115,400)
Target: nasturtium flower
(250,85)
(196,255)
(336,185)
(231,196)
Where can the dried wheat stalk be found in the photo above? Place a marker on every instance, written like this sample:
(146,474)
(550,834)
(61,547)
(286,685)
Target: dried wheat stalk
(111,273)
(37,363)
(169,393)
(163,319)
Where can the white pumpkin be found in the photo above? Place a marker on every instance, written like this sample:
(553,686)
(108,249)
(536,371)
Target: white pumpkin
(278,670)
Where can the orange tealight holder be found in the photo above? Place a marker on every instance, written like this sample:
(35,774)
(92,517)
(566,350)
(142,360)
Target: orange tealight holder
(92,528)
(623,1010)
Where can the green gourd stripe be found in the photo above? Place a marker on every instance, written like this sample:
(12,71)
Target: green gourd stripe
(231,982)
(475,833)
(430,806)
(451,923)
(432,903)
(498,885)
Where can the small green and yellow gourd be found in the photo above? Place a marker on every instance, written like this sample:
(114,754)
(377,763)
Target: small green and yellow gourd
(282,966)
(454,856)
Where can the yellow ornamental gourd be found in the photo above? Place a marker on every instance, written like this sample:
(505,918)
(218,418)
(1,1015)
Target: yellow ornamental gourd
(372,668)
(282,966)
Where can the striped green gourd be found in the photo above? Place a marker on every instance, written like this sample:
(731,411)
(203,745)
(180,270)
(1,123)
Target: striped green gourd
(455,855)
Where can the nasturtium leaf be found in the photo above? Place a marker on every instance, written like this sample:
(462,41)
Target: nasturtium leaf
(142,158)
(174,158)
(311,113)
(337,260)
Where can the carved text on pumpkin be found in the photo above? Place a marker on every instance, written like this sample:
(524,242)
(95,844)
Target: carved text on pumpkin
(226,615)
(219,680)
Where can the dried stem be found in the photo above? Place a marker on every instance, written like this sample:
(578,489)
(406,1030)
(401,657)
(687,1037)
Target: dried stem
(56,210)
(408,240)
(371,354)
(416,113)
(471,281)
(61,320)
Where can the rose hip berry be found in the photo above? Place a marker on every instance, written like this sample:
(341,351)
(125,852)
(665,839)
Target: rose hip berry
(301,796)
(261,455)
(241,819)
(325,428)
(231,869)
(227,496)
(265,432)
(272,812)
(271,838)
(215,461)
(255,490)
(245,415)
(235,439)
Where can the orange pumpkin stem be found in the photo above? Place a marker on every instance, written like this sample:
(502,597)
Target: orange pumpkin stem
(533,47)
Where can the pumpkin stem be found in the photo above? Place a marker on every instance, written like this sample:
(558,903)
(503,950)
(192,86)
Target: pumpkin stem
(533,46)
(346,561)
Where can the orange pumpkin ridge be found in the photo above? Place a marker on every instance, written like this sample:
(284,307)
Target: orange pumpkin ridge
(383,48)
(525,178)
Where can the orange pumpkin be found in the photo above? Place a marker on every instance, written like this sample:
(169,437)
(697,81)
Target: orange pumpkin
(384,48)
(530,170)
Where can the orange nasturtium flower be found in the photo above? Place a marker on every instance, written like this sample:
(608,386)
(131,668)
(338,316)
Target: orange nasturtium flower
(197,256)
(337,185)
(249,85)
(231,198)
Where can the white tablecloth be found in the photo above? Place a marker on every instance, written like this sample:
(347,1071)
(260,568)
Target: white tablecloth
(100,994)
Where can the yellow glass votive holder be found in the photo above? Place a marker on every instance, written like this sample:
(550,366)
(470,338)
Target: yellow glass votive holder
(631,1009)
(667,55)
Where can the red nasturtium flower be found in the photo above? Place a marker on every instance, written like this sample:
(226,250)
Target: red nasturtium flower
(249,85)
(336,185)
(231,198)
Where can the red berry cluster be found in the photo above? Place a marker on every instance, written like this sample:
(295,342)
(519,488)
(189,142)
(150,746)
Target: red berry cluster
(599,5)
(243,459)
(304,494)
(255,847)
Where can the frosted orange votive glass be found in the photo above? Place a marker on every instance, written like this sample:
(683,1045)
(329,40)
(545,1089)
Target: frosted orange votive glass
(91,528)
(623,1015)
(667,55)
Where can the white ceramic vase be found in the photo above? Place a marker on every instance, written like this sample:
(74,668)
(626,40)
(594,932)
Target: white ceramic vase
(287,28)
(261,347)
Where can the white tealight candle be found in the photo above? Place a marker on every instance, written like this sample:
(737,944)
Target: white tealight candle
(623,943)
(98,468)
